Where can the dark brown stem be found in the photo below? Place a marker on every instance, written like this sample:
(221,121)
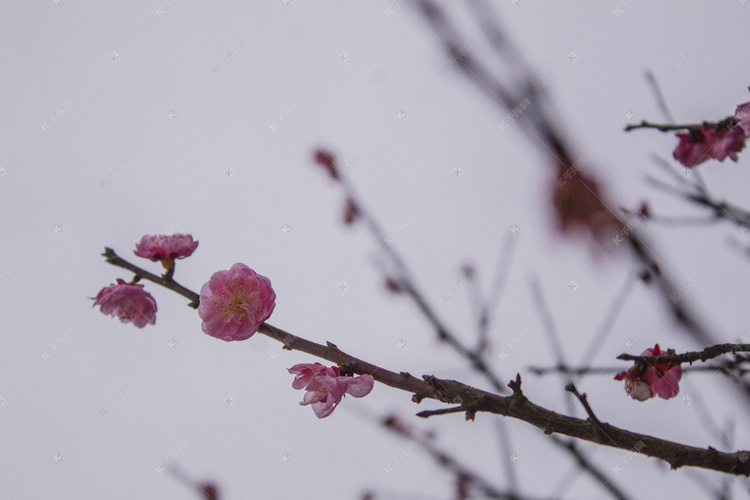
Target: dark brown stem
(689,357)
(165,281)
(474,400)
(518,406)
(586,464)
(726,123)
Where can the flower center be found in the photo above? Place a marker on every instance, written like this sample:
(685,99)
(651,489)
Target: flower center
(233,297)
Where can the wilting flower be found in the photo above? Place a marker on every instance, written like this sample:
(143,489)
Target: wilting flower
(127,301)
(325,387)
(166,248)
(644,382)
(234,303)
(726,140)
(579,205)
(327,160)
(698,146)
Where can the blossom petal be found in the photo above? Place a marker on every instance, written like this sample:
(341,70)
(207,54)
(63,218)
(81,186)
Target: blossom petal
(360,386)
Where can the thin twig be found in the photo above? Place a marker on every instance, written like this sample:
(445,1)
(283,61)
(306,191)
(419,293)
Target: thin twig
(608,370)
(688,357)
(659,96)
(408,283)
(726,123)
(585,464)
(447,461)
(609,319)
(551,331)
(167,282)
(584,402)
(502,273)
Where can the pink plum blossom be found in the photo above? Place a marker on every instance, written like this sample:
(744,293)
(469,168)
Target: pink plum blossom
(234,303)
(699,145)
(127,301)
(166,248)
(644,382)
(325,387)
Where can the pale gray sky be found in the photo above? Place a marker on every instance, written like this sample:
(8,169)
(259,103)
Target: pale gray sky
(124,119)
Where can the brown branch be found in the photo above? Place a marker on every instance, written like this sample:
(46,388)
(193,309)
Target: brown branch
(165,281)
(689,357)
(726,123)
(474,400)
(733,366)
(518,406)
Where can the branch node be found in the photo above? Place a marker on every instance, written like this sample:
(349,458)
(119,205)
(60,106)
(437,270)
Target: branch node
(515,385)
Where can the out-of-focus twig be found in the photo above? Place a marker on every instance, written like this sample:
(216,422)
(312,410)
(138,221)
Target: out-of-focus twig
(405,279)
(661,102)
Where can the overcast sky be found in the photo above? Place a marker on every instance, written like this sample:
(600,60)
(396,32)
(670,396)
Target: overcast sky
(121,119)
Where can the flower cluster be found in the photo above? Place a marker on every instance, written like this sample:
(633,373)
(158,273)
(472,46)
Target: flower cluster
(325,387)
(129,302)
(644,382)
(726,139)
(235,302)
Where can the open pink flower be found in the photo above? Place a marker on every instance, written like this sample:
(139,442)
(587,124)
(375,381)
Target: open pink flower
(644,382)
(127,301)
(325,387)
(234,303)
(166,248)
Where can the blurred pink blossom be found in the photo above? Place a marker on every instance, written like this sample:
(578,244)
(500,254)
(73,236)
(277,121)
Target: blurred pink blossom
(127,301)
(325,387)
(327,160)
(234,303)
(699,145)
(644,382)
(579,206)
(166,248)
(743,114)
